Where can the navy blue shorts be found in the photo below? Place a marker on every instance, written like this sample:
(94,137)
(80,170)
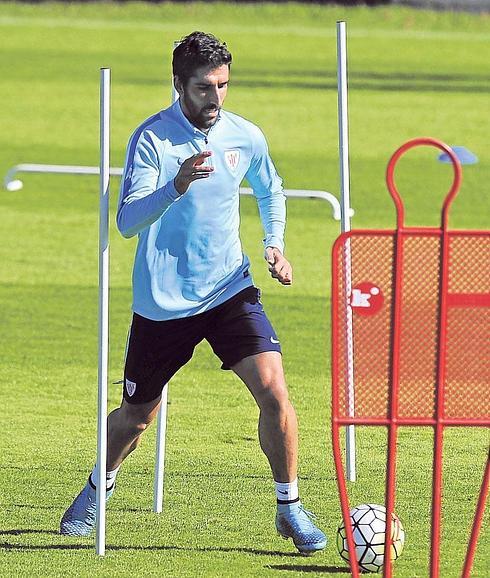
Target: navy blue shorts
(235,329)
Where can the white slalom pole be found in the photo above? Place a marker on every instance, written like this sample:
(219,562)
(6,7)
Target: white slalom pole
(161,420)
(345,226)
(160,453)
(105,83)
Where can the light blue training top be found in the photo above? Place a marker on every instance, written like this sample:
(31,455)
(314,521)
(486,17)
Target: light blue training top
(189,256)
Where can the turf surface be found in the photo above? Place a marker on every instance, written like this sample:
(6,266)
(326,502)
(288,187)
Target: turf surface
(412,73)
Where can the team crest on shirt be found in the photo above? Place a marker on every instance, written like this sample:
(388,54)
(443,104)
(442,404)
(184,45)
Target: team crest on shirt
(130,387)
(232,158)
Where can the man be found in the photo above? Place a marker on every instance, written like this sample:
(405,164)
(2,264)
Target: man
(191,280)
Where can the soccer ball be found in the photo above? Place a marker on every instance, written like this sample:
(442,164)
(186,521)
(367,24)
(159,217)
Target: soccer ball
(368,525)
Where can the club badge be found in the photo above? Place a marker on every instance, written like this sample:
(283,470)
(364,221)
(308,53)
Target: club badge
(232,158)
(130,387)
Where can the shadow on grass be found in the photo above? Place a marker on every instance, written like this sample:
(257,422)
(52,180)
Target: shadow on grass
(33,507)
(26,531)
(312,568)
(114,547)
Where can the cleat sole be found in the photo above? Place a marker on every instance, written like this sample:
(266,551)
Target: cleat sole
(308,554)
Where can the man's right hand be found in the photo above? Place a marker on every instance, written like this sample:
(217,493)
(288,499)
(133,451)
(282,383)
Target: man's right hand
(191,170)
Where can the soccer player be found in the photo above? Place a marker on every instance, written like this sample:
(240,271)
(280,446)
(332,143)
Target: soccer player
(191,280)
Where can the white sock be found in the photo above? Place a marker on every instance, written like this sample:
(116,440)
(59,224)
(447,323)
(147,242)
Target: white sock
(110,477)
(287,492)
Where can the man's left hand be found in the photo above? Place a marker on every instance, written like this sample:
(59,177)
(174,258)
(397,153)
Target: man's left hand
(279,266)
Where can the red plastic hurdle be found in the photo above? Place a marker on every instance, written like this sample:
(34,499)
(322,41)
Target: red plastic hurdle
(410,329)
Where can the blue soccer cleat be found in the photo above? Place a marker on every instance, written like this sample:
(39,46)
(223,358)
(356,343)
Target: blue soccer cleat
(79,519)
(293,521)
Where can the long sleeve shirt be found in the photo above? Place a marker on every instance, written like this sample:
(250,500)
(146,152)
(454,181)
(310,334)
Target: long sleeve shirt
(189,256)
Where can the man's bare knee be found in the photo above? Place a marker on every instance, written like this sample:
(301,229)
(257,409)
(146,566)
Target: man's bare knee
(263,374)
(137,418)
(273,398)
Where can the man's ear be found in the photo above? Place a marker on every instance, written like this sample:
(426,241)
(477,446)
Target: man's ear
(179,87)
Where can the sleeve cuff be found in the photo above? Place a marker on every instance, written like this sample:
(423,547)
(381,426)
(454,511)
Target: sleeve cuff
(171,191)
(273,241)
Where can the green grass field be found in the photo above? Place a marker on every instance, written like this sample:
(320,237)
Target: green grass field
(412,73)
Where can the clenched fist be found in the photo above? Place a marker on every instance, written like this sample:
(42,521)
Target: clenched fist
(279,266)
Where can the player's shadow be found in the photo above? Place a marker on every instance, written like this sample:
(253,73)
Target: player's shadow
(311,568)
(19,532)
(115,547)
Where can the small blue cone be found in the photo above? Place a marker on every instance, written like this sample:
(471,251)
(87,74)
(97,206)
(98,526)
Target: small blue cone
(465,156)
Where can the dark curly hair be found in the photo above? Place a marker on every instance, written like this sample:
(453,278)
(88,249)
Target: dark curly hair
(196,50)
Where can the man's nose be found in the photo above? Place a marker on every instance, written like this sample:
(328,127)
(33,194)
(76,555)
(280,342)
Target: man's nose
(215,97)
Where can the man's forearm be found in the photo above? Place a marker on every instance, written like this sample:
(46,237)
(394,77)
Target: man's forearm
(138,211)
(272,210)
